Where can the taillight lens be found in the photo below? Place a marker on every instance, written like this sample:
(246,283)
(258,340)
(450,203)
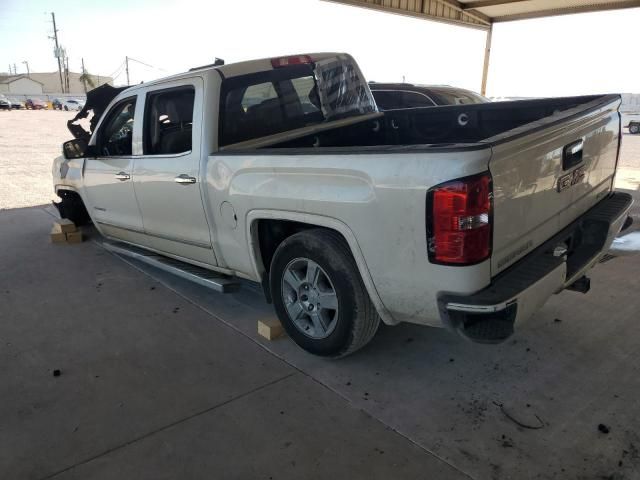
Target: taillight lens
(459,215)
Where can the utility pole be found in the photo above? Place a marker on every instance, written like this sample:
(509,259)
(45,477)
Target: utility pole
(55,37)
(15,70)
(9,69)
(66,73)
(126,61)
(28,72)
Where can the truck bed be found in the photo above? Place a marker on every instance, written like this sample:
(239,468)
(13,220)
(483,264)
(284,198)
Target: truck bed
(527,143)
(446,125)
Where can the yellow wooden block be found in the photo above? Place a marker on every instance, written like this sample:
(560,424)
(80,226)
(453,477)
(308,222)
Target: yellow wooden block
(270,328)
(74,237)
(57,237)
(64,225)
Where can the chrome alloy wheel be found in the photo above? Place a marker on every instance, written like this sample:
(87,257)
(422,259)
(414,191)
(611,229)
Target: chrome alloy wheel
(310,298)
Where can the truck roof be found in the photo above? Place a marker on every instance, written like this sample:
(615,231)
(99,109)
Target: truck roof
(240,68)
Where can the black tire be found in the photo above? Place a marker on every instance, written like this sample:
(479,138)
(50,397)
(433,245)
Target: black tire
(357,319)
(66,109)
(634,128)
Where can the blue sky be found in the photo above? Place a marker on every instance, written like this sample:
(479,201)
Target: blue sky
(569,55)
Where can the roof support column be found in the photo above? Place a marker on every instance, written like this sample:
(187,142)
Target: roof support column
(487,57)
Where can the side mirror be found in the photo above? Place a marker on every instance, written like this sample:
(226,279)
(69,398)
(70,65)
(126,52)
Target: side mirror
(77,148)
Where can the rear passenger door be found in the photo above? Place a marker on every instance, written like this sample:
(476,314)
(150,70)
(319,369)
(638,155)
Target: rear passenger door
(167,176)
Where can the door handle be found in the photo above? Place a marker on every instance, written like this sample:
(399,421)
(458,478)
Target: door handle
(184,179)
(122,176)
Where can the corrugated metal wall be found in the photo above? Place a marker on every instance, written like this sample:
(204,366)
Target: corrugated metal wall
(430,9)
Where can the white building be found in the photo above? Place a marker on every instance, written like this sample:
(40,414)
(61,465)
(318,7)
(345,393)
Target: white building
(51,82)
(20,85)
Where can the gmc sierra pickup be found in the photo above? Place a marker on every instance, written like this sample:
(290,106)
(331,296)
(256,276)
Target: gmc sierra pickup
(283,171)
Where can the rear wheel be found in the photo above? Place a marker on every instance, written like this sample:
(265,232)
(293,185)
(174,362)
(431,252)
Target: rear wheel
(634,128)
(319,295)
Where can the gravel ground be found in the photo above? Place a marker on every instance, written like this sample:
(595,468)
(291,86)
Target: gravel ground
(30,140)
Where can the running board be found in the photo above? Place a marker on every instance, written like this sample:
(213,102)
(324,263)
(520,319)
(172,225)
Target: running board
(201,276)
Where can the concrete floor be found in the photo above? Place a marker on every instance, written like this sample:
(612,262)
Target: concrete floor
(164,379)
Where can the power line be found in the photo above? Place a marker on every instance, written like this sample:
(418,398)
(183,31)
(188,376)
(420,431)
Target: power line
(146,64)
(117,71)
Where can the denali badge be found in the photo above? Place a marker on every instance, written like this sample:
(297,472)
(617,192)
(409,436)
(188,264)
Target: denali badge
(570,179)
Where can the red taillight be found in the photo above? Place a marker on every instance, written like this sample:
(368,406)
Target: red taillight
(459,221)
(292,60)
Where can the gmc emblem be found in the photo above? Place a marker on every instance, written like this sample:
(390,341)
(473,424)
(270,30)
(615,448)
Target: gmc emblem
(570,179)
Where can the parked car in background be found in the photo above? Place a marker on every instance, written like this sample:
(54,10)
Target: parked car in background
(56,103)
(72,104)
(394,96)
(35,104)
(17,104)
(5,103)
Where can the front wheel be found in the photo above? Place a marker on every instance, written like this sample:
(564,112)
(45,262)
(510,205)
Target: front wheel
(319,295)
(634,128)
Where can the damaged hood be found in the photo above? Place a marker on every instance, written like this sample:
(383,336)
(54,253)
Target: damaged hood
(97,101)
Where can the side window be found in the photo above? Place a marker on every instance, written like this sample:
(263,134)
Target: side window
(388,99)
(413,99)
(168,121)
(116,134)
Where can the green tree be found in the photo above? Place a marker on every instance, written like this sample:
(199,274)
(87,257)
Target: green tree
(87,79)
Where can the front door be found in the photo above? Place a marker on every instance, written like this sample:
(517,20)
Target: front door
(108,178)
(167,177)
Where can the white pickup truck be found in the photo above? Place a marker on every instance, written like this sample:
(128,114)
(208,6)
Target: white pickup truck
(282,171)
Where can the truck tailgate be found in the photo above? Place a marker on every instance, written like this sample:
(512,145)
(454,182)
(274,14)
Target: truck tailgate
(548,173)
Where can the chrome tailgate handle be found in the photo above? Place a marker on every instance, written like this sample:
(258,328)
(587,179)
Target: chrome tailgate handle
(572,154)
(122,176)
(185,179)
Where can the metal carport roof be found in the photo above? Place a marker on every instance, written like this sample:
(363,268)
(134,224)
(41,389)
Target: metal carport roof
(483,14)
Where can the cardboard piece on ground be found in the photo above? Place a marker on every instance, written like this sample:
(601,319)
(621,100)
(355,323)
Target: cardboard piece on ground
(64,225)
(57,237)
(270,328)
(74,237)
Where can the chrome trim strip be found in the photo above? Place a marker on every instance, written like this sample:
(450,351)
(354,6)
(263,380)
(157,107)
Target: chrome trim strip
(459,307)
(121,227)
(163,155)
(496,307)
(161,236)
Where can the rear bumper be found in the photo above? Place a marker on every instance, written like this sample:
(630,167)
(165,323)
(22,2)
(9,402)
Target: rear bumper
(489,315)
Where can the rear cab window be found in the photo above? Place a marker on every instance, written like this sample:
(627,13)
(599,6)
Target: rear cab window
(288,98)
